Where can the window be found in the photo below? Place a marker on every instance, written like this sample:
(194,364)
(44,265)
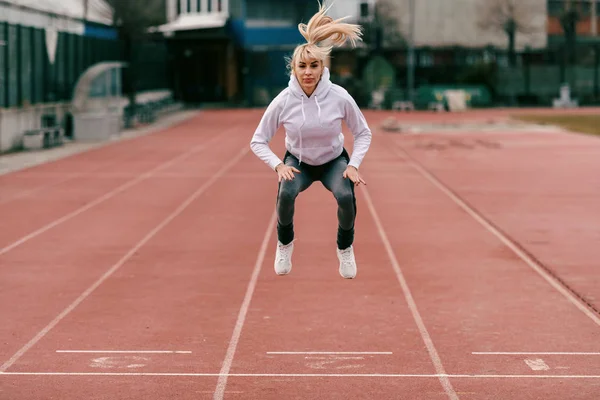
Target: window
(425,59)
(269,10)
(364,10)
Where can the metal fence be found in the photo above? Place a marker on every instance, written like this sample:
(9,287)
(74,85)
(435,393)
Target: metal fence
(535,78)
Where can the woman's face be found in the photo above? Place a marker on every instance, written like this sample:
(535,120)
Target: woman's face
(308,72)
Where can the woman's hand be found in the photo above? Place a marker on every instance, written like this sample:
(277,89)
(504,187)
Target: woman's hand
(285,172)
(352,174)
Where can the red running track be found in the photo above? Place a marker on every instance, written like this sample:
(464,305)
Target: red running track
(144,270)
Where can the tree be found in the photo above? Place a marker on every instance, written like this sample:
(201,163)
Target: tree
(132,18)
(387,13)
(511,17)
(568,20)
(383,26)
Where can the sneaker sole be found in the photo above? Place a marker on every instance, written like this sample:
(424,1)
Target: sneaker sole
(348,276)
(284,272)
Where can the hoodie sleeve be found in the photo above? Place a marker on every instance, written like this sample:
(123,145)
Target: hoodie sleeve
(269,124)
(357,123)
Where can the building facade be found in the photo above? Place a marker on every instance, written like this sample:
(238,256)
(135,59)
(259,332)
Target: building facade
(45,45)
(587,23)
(232,50)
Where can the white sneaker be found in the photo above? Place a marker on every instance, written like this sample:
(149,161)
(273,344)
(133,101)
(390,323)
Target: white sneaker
(347,262)
(283,258)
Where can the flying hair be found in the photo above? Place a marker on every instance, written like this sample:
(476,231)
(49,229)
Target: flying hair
(322,33)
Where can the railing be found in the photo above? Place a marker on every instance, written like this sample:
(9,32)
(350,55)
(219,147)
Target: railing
(178,7)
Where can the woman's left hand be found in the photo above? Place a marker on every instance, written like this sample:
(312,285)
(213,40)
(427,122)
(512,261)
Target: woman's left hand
(352,174)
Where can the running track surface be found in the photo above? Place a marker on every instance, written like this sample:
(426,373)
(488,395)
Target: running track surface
(144,270)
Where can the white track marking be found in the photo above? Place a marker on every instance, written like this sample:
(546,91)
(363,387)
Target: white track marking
(334,361)
(29,192)
(112,193)
(124,259)
(176,374)
(505,240)
(330,352)
(63,178)
(125,351)
(122,362)
(550,353)
(537,365)
(433,354)
(237,331)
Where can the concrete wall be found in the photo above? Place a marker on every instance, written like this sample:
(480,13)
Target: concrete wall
(445,23)
(15,121)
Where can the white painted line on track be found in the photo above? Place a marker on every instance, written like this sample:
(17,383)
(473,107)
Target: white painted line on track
(412,305)
(527,259)
(125,258)
(113,192)
(524,353)
(330,352)
(191,374)
(126,351)
(237,331)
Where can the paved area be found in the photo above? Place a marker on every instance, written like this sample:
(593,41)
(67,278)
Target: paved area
(11,162)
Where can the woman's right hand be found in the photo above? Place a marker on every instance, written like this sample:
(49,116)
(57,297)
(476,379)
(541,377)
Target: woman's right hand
(286,172)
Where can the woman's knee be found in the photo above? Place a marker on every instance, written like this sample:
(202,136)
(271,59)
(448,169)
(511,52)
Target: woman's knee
(345,199)
(287,193)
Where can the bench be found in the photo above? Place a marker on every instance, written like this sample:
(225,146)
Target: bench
(403,106)
(437,106)
(43,138)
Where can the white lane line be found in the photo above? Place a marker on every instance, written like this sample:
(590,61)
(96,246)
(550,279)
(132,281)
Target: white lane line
(523,353)
(114,192)
(330,352)
(412,305)
(176,374)
(29,192)
(237,331)
(63,178)
(494,231)
(125,351)
(537,364)
(124,259)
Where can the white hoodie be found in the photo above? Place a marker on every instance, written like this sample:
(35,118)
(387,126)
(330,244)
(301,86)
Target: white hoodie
(313,125)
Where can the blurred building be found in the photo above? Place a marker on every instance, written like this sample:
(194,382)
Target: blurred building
(232,50)
(467,23)
(45,45)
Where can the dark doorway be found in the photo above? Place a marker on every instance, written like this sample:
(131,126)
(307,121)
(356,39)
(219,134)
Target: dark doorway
(200,70)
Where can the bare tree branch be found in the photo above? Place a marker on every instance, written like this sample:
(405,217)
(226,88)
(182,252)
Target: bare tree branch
(497,15)
(387,17)
(511,17)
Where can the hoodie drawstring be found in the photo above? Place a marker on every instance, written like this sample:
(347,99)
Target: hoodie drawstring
(319,108)
(300,130)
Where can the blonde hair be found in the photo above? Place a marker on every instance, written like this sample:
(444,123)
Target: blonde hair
(323,29)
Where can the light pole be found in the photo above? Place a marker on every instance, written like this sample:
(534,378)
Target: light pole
(594,16)
(410,71)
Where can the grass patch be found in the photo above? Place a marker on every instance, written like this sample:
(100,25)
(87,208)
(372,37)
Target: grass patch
(578,123)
